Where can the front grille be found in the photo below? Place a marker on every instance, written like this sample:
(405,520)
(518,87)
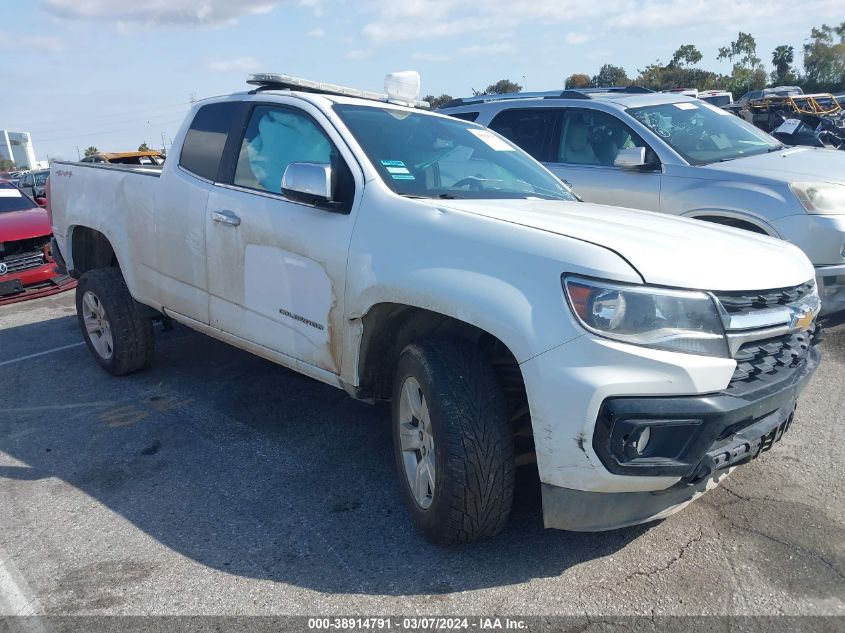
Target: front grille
(761,363)
(17,263)
(738,302)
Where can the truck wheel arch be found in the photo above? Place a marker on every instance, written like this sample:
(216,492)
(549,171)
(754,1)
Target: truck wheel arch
(388,328)
(89,249)
(746,223)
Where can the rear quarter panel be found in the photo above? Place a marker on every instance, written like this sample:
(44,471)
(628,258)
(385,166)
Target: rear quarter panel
(116,201)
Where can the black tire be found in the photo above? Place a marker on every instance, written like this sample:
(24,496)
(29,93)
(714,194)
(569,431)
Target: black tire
(132,334)
(472,438)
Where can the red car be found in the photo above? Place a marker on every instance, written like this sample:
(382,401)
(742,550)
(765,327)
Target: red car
(27,269)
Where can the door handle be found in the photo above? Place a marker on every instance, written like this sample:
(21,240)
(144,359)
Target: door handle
(224,216)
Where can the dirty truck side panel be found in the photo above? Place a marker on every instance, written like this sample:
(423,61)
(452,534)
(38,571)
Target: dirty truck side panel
(278,277)
(117,202)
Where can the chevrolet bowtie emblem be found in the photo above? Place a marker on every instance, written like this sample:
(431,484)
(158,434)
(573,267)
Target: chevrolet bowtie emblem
(801,318)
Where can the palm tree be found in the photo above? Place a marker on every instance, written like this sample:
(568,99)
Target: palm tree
(782,57)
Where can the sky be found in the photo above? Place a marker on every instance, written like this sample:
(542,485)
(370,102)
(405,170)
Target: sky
(117,73)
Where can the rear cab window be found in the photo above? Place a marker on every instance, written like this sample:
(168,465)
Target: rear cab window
(203,147)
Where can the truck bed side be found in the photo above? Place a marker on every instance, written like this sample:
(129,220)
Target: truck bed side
(116,201)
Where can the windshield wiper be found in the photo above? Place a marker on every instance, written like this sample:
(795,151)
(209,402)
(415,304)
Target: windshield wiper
(450,196)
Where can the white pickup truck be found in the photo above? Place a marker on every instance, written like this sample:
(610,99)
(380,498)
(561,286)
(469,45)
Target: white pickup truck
(407,256)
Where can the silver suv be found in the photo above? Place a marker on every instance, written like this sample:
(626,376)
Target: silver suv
(665,152)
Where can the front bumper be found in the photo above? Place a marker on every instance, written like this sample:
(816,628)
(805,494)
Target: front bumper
(587,395)
(831,283)
(34,283)
(691,437)
(732,433)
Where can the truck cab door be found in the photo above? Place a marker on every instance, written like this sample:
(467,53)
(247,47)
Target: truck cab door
(277,267)
(585,145)
(178,258)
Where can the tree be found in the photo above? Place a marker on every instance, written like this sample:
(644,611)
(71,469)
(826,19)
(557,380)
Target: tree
(782,57)
(503,86)
(91,151)
(143,147)
(686,54)
(659,77)
(577,80)
(748,70)
(609,76)
(7,165)
(824,58)
(437,102)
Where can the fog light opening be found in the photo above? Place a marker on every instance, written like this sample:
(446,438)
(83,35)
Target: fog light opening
(642,440)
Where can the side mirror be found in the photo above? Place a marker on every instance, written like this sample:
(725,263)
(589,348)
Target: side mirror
(310,183)
(630,158)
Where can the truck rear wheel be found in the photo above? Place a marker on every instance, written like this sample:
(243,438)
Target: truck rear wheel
(117,335)
(452,441)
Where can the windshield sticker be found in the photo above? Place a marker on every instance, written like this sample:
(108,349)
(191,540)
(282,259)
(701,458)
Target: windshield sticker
(10,193)
(491,140)
(686,106)
(402,176)
(397,170)
(392,163)
(716,109)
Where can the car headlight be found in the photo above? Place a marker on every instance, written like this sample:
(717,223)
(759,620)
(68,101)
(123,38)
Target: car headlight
(820,197)
(675,320)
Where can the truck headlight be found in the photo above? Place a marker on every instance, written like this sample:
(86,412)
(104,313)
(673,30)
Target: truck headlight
(820,197)
(674,320)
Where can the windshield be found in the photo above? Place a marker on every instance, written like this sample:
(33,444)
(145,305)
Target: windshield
(702,133)
(421,155)
(11,199)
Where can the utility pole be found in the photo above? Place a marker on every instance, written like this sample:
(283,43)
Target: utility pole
(163,144)
(78,155)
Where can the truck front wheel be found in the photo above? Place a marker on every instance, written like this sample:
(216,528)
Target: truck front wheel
(117,335)
(452,441)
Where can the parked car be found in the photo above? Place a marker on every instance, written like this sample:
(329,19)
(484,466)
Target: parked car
(778,91)
(678,155)
(403,255)
(146,158)
(718,98)
(27,269)
(687,92)
(15,177)
(816,110)
(34,183)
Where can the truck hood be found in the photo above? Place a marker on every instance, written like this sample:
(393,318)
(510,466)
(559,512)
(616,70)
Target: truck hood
(665,250)
(22,225)
(791,164)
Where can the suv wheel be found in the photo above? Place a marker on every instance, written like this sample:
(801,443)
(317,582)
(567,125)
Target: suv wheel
(119,338)
(452,441)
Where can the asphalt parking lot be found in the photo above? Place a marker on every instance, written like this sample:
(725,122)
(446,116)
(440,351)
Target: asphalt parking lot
(219,483)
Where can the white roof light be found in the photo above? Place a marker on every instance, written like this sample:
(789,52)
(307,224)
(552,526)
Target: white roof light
(402,87)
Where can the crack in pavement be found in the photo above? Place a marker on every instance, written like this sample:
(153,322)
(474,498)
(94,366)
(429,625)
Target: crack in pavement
(790,546)
(669,564)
